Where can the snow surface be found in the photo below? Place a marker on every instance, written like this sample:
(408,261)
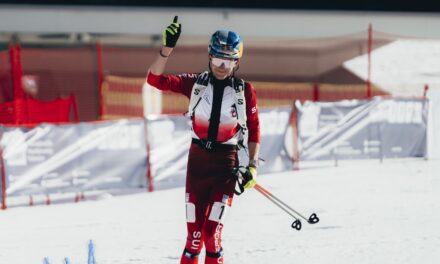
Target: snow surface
(370,212)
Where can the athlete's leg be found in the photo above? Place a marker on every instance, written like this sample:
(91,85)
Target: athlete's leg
(210,185)
(197,199)
(221,200)
(219,208)
(196,208)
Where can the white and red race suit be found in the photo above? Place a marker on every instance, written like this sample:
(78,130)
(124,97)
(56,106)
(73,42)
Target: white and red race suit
(210,182)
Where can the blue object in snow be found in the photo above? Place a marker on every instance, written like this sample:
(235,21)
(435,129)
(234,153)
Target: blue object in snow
(91,257)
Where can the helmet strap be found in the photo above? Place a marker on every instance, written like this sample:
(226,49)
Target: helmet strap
(235,69)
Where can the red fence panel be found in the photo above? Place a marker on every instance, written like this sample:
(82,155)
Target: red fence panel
(6,89)
(32,111)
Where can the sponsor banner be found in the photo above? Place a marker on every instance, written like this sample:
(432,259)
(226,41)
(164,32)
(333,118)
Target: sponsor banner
(112,155)
(74,157)
(380,128)
(275,140)
(170,138)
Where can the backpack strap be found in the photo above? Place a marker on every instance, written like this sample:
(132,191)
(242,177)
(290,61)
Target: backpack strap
(197,91)
(240,104)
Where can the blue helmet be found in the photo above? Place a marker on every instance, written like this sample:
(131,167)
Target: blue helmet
(226,44)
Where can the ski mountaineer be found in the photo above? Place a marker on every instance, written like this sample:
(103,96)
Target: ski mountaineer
(223,111)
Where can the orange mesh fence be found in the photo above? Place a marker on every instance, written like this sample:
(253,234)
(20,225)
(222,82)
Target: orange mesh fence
(270,94)
(122,97)
(336,92)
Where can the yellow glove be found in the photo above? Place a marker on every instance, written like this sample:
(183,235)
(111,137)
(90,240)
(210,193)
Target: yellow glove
(249,177)
(172,33)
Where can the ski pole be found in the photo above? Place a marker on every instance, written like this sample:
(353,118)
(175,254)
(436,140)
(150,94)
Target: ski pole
(296,224)
(313,219)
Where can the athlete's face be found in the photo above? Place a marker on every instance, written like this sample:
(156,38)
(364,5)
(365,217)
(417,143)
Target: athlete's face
(222,68)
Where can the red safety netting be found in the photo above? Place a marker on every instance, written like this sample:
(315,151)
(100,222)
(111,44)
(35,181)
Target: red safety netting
(7,113)
(32,111)
(6,88)
(57,111)
(60,72)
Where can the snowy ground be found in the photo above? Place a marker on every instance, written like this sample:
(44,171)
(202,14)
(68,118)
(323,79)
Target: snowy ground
(370,213)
